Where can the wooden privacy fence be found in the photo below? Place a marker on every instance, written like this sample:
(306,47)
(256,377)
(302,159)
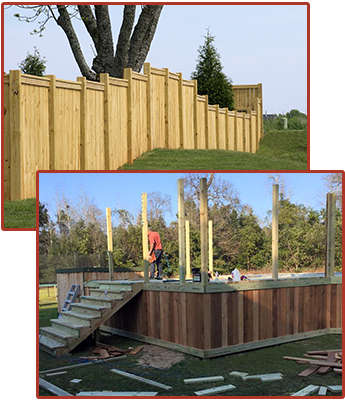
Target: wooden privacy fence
(53,124)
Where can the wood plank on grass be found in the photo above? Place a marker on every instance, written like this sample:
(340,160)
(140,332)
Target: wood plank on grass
(140,379)
(52,388)
(204,379)
(308,390)
(219,389)
(322,391)
(121,394)
(309,371)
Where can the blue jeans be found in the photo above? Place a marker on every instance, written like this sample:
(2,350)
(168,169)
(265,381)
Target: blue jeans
(158,254)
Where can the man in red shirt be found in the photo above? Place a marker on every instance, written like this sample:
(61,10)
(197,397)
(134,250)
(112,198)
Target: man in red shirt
(156,252)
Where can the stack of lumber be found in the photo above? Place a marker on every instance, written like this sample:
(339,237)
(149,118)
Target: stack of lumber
(321,361)
(104,351)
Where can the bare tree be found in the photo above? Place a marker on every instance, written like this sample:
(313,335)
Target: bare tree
(279,179)
(334,184)
(133,42)
(158,205)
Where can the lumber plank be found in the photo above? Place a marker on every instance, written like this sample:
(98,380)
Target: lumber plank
(52,388)
(140,379)
(324,370)
(308,390)
(336,388)
(322,391)
(120,394)
(136,351)
(204,379)
(315,362)
(215,390)
(309,370)
(324,351)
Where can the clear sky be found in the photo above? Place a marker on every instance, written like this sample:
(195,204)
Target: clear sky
(123,190)
(258,44)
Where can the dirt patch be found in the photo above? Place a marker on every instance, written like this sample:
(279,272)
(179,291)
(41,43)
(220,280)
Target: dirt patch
(158,357)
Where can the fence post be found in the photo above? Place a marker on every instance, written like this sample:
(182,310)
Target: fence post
(144,236)
(244,131)
(206,121)
(180,97)
(261,112)
(147,72)
(227,145)
(257,133)
(104,78)
(188,274)
(16,132)
(181,230)
(330,235)
(52,113)
(110,244)
(275,231)
(251,147)
(83,111)
(203,231)
(235,132)
(128,75)
(210,246)
(217,125)
(166,107)
(195,112)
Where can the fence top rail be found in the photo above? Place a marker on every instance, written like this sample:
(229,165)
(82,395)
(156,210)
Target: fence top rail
(139,77)
(95,85)
(245,86)
(173,75)
(118,82)
(157,71)
(201,98)
(188,83)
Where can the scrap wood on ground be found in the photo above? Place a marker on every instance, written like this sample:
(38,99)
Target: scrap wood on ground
(104,351)
(322,361)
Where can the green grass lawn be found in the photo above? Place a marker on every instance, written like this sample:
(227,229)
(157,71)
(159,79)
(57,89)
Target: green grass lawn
(267,360)
(279,150)
(20,214)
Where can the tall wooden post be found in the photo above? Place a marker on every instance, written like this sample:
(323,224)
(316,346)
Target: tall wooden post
(210,246)
(147,72)
(330,235)
(275,232)
(181,111)
(203,231)
(181,230)
(83,128)
(127,74)
(188,272)
(104,78)
(144,236)
(110,244)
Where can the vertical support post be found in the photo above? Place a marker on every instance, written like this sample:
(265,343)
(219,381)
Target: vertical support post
(210,246)
(104,78)
(166,107)
(188,272)
(52,119)
(235,132)
(203,231)
(180,98)
(227,144)
(83,111)
(206,122)
(275,197)
(147,72)
(110,244)
(144,236)
(244,131)
(181,230)
(16,133)
(217,125)
(127,73)
(251,144)
(260,96)
(257,127)
(195,113)
(330,235)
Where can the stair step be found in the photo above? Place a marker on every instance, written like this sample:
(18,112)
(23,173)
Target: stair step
(88,309)
(74,329)
(50,343)
(78,318)
(98,301)
(56,335)
(108,294)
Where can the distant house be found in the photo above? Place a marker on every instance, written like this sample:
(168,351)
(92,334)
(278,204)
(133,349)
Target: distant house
(269,117)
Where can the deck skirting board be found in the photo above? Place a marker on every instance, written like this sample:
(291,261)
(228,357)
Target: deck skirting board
(222,350)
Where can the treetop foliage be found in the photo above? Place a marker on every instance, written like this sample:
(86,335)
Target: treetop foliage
(33,64)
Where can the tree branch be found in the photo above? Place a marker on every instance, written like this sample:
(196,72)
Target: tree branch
(122,48)
(65,23)
(89,22)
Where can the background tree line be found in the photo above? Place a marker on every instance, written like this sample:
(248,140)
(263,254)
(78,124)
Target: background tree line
(240,239)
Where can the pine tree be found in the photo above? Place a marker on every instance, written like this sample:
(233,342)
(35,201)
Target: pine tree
(210,76)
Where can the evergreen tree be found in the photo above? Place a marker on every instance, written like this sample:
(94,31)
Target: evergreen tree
(33,64)
(210,76)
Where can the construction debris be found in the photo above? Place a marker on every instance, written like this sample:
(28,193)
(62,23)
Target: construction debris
(219,389)
(335,388)
(322,361)
(121,394)
(205,379)
(75,380)
(57,373)
(52,388)
(264,377)
(239,374)
(306,391)
(322,391)
(140,379)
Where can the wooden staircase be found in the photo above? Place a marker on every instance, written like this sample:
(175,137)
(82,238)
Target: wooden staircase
(83,318)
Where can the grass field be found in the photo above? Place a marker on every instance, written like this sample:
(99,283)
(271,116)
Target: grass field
(20,214)
(267,360)
(279,150)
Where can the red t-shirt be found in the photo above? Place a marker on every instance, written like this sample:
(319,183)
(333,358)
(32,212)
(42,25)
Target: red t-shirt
(155,240)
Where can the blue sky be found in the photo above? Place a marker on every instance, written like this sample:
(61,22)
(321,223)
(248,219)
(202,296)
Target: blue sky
(258,44)
(123,190)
